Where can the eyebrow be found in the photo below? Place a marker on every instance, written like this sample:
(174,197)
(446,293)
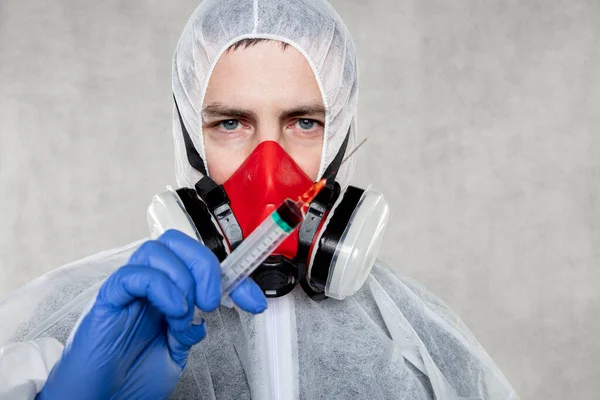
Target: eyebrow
(220,110)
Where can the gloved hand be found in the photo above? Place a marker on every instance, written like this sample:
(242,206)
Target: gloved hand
(134,342)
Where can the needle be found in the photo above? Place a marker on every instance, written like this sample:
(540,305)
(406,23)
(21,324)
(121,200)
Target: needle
(308,196)
(348,157)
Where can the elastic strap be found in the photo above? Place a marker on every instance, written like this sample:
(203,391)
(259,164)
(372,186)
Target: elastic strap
(200,216)
(333,168)
(309,228)
(213,195)
(192,154)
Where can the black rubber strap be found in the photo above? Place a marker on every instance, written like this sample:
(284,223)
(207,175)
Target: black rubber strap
(192,154)
(307,231)
(200,215)
(334,166)
(213,195)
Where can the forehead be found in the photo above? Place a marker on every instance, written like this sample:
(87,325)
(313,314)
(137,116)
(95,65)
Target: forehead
(264,74)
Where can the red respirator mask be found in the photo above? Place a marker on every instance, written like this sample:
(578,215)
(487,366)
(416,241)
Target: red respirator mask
(263,181)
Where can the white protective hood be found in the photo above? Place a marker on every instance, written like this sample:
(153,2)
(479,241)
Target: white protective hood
(312,27)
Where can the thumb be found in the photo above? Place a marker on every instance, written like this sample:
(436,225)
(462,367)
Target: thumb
(180,342)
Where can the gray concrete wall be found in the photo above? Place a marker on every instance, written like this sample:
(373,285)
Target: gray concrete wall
(484,134)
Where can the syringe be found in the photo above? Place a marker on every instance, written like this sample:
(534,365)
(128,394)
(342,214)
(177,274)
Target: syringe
(259,245)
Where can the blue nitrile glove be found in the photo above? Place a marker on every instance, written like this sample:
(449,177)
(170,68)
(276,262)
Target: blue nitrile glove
(135,340)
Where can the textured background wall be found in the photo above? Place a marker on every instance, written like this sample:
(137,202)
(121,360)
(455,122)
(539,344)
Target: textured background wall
(483,119)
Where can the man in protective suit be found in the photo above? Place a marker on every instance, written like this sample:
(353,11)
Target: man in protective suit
(265,100)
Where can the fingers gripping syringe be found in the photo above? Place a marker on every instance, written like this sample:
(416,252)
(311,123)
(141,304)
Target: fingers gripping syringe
(255,249)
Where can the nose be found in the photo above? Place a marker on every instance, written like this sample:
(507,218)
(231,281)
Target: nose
(270,131)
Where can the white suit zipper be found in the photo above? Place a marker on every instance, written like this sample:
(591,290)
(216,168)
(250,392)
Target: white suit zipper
(278,339)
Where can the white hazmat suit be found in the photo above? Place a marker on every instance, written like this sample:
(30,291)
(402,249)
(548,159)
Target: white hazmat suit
(393,339)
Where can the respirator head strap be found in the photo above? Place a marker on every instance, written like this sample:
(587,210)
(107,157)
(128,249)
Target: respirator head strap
(333,168)
(307,231)
(192,154)
(217,201)
(200,216)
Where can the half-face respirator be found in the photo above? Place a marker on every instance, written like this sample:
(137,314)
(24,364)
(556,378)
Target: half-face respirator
(332,252)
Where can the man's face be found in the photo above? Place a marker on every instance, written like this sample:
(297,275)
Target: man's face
(259,93)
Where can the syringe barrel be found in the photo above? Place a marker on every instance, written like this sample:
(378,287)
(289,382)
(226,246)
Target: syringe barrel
(259,245)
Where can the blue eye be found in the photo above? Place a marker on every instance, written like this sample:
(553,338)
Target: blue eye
(306,124)
(230,124)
